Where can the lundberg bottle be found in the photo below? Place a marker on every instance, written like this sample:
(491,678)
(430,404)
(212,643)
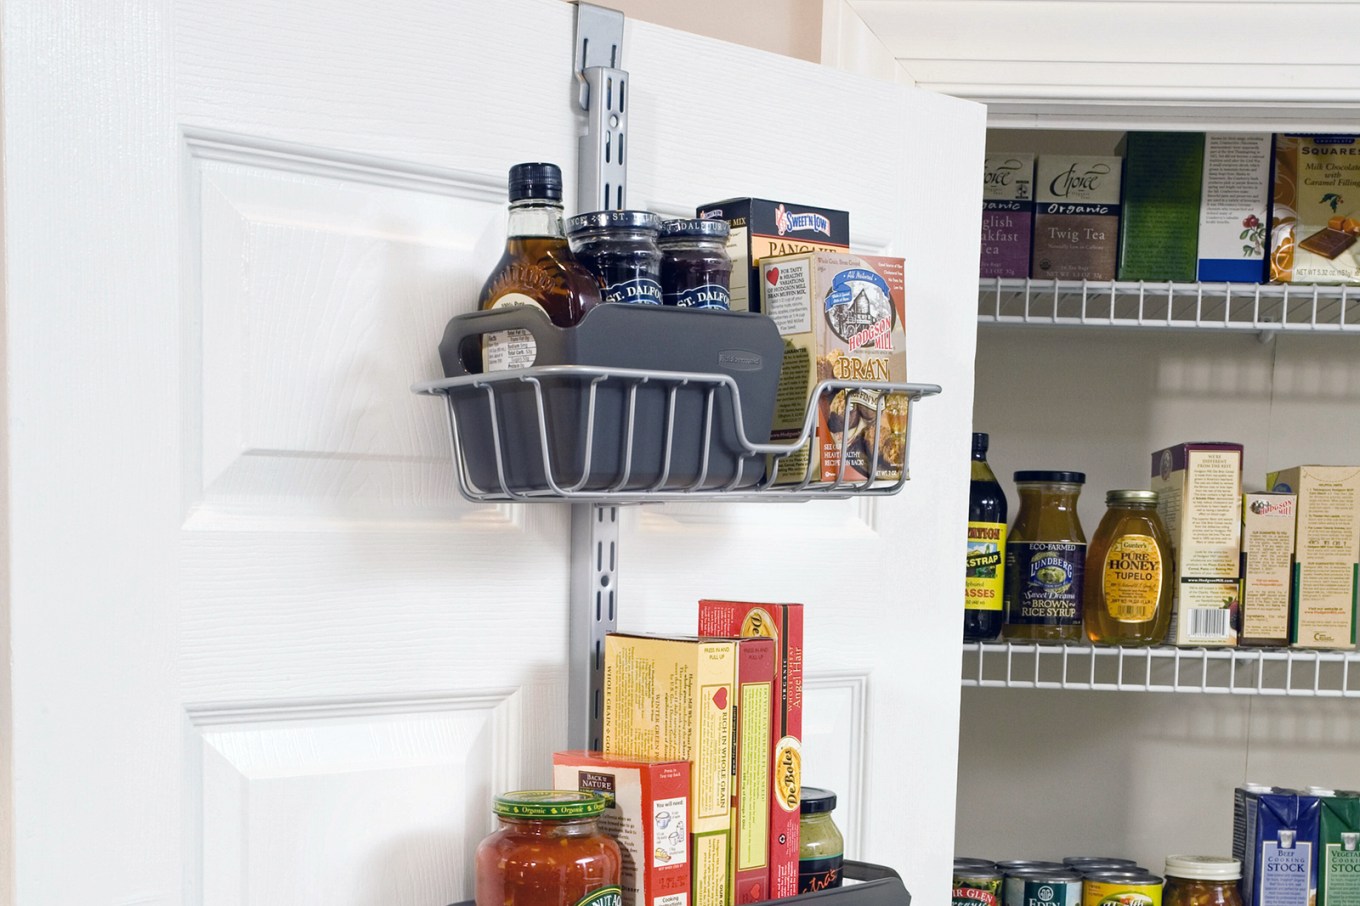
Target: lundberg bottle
(537,269)
(983,580)
(1045,559)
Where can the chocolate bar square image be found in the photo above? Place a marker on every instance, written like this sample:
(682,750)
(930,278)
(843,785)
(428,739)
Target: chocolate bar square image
(1328,242)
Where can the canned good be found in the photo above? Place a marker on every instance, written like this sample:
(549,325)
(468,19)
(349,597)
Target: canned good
(1112,861)
(1042,887)
(966,862)
(1089,865)
(619,247)
(1021,864)
(1122,888)
(976,885)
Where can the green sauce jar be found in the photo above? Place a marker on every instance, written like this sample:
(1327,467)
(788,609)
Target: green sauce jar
(821,847)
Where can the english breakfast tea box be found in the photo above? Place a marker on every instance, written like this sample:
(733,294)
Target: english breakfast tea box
(1199,497)
(761,228)
(1315,220)
(1326,553)
(648,814)
(1234,207)
(1076,217)
(1267,554)
(671,698)
(1160,209)
(841,317)
(784,624)
(1007,214)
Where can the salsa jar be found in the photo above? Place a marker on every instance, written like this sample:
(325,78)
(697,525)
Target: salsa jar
(1045,559)
(1129,573)
(821,848)
(619,247)
(549,851)
(1202,881)
(696,271)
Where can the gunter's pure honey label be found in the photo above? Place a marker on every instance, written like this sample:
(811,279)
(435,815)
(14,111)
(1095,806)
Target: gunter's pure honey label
(1131,578)
(984,578)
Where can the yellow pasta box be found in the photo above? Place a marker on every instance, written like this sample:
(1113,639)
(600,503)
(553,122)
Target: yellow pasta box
(671,697)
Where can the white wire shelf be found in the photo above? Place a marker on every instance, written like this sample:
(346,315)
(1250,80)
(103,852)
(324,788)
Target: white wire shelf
(1218,671)
(1176,306)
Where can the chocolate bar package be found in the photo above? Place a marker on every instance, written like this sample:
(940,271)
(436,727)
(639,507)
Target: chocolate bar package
(1234,207)
(1007,214)
(1315,220)
(1076,217)
(1160,229)
(1281,854)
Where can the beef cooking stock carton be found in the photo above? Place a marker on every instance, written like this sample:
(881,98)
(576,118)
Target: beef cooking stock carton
(1315,218)
(1199,499)
(783,623)
(841,318)
(1280,864)
(1076,217)
(1007,215)
(760,228)
(670,697)
(1326,553)
(647,813)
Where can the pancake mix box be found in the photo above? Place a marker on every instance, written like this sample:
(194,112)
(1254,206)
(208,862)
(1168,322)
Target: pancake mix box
(648,814)
(1315,221)
(841,317)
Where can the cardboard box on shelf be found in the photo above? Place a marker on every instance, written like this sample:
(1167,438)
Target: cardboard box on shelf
(1076,217)
(1007,215)
(1267,553)
(1234,207)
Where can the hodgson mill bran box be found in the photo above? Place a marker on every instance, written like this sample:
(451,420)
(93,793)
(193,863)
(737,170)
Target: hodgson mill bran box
(841,319)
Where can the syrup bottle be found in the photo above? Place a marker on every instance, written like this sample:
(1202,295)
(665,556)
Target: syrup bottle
(983,581)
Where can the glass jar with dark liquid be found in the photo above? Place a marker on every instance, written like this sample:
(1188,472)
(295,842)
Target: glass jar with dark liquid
(620,248)
(696,271)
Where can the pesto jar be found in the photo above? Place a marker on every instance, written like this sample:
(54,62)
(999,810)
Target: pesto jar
(1129,573)
(821,849)
(1201,881)
(1045,559)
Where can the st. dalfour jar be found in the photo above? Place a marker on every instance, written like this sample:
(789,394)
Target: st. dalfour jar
(696,271)
(619,247)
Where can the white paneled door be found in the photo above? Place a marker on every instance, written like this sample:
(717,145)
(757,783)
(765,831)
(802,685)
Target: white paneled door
(260,651)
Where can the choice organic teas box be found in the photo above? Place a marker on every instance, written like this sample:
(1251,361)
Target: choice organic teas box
(1326,553)
(754,704)
(1076,217)
(841,317)
(671,698)
(1234,207)
(1267,553)
(761,228)
(1007,214)
(1160,210)
(1199,496)
(1315,220)
(784,624)
(648,814)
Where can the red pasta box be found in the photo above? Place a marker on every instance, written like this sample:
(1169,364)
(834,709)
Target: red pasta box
(755,705)
(648,815)
(784,624)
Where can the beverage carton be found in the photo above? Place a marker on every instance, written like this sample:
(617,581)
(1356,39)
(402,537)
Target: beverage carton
(1007,214)
(762,228)
(1280,868)
(755,702)
(841,317)
(1234,207)
(1326,553)
(1076,217)
(1199,495)
(1267,553)
(671,698)
(784,624)
(1338,876)
(648,814)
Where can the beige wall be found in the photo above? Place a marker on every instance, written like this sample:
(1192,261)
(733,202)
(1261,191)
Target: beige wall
(789,27)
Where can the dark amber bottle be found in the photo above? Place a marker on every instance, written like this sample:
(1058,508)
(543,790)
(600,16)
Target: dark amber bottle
(537,268)
(984,578)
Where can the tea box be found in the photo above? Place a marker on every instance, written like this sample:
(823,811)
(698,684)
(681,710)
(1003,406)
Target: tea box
(1007,214)
(647,812)
(761,228)
(1267,550)
(841,317)
(1199,492)
(1160,229)
(1234,207)
(1076,217)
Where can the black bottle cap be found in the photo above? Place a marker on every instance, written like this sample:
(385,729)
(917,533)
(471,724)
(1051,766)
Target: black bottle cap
(814,800)
(535,181)
(980,442)
(1063,477)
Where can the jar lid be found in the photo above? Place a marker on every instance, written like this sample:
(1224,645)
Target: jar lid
(1129,496)
(694,229)
(1203,868)
(614,220)
(535,180)
(816,800)
(551,805)
(1063,477)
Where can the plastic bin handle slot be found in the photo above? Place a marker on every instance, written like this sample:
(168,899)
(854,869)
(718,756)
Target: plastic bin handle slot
(460,352)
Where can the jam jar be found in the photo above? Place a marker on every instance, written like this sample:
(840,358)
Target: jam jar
(549,851)
(1045,559)
(619,247)
(821,848)
(1201,881)
(696,271)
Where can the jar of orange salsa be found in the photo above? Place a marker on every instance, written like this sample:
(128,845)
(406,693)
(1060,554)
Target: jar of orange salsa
(549,851)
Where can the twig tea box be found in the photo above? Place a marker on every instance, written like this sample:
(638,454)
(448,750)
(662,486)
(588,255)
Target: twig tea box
(1076,217)
(1007,214)
(1234,207)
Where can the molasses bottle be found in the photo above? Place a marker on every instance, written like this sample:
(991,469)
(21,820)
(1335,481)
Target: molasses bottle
(983,584)
(537,269)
